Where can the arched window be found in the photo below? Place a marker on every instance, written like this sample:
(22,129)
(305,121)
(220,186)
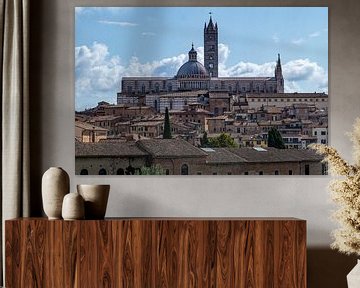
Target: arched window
(120,171)
(130,170)
(184,169)
(102,171)
(84,172)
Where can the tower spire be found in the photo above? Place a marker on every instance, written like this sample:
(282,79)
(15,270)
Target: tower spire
(211,56)
(279,76)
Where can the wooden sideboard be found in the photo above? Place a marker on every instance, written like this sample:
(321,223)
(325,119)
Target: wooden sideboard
(156,252)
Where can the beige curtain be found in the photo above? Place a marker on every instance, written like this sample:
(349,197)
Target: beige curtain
(14,30)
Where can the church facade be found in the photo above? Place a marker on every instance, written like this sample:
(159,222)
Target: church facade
(195,76)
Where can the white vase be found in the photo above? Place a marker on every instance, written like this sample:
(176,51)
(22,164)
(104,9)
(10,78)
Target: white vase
(353,278)
(73,207)
(96,198)
(55,185)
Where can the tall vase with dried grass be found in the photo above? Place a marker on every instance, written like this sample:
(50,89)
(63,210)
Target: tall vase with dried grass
(345,192)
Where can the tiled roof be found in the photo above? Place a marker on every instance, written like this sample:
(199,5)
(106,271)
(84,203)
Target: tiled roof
(222,156)
(87,126)
(170,148)
(108,149)
(276,155)
(286,95)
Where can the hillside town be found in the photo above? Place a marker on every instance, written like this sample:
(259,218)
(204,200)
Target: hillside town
(124,137)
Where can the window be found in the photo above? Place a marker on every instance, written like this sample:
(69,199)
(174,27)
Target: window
(315,133)
(167,172)
(290,172)
(157,87)
(84,172)
(120,171)
(246,173)
(229,173)
(198,173)
(307,169)
(261,173)
(214,173)
(184,169)
(276,172)
(102,171)
(323,132)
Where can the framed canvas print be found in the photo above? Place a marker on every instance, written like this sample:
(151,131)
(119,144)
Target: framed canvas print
(200,90)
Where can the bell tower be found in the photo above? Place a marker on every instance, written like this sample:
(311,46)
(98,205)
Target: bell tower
(211,48)
(279,76)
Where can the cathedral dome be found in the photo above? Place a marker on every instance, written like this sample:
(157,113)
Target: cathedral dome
(192,68)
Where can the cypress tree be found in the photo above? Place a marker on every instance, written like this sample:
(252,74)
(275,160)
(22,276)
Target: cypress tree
(204,141)
(275,140)
(167,128)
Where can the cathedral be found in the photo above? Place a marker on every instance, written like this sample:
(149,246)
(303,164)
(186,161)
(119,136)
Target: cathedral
(194,76)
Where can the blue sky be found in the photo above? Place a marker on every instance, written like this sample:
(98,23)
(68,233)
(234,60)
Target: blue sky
(111,42)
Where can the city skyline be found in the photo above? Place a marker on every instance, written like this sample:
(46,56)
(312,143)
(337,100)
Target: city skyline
(101,59)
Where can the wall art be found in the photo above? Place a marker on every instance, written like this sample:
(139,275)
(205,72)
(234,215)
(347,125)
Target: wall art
(200,90)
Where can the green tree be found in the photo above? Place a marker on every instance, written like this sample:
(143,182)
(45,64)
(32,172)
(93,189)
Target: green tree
(204,141)
(152,170)
(274,139)
(167,127)
(222,141)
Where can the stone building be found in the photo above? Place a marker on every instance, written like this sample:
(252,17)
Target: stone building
(193,75)
(191,114)
(178,157)
(85,132)
(109,158)
(257,100)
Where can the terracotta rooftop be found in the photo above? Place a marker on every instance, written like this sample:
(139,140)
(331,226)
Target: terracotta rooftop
(221,156)
(108,149)
(87,126)
(170,148)
(276,155)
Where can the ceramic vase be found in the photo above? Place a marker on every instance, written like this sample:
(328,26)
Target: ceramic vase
(96,198)
(55,185)
(73,207)
(353,278)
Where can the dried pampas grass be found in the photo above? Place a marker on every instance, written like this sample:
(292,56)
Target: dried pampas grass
(345,192)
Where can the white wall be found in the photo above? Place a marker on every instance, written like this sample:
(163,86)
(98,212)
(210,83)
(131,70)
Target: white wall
(303,197)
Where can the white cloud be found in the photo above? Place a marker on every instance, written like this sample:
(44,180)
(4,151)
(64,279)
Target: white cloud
(91,10)
(98,74)
(315,34)
(150,34)
(119,23)
(305,70)
(298,41)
